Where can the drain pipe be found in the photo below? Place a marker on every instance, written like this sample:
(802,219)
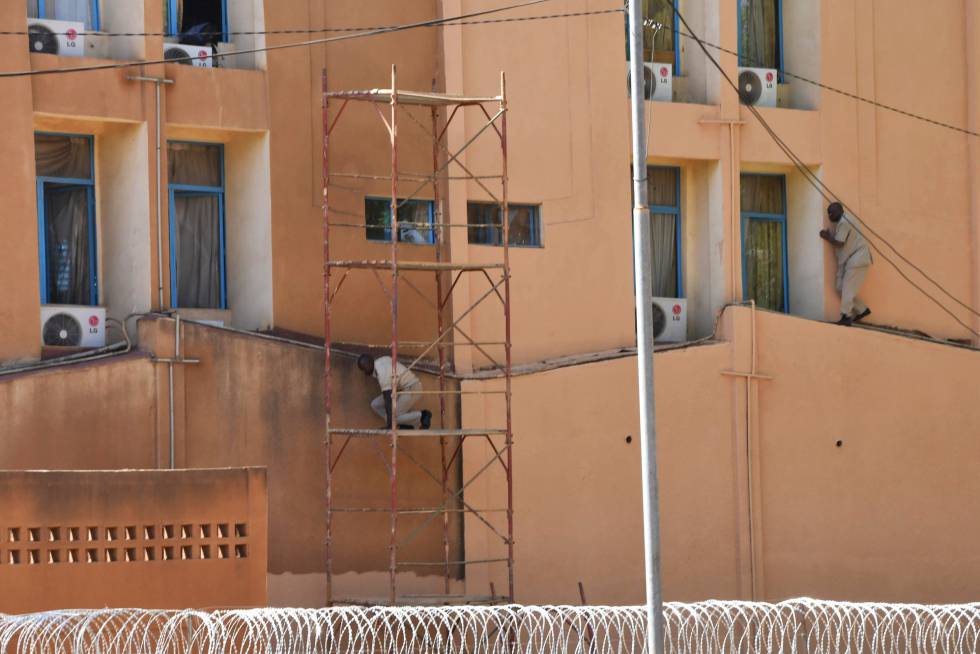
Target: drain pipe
(157,81)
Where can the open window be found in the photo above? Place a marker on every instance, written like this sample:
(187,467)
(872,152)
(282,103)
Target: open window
(664,197)
(760,34)
(660,40)
(196,22)
(82,11)
(765,276)
(415,219)
(66,219)
(486,227)
(197,225)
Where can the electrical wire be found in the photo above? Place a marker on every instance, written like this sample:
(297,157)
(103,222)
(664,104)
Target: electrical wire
(322,30)
(830,196)
(455,20)
(822,85)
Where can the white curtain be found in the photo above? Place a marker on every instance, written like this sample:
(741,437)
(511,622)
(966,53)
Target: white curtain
(197,250)
(66,244)
(664,243)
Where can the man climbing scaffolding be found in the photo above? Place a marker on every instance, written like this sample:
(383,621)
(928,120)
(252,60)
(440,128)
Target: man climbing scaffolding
(409,394)
(853,261)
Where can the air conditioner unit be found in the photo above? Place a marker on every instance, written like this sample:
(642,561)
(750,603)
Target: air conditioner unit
(192,55)
(757,86)
(658,80)
(669,320)
(73,326)
(57,37)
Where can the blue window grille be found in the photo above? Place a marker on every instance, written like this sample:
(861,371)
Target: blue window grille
(57,274)
(674,211)
(755,255)
(779,54)
(377,220)
(179,191)
(66,11)
(486,228)
(174,22)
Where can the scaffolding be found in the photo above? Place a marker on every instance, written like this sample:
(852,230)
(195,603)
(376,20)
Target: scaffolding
(390,104)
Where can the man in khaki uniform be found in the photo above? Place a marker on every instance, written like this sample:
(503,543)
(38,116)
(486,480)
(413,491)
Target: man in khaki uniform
(408,393)
(853,261)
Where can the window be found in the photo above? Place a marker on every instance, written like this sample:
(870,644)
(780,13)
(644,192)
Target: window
(415,218)
(760,34)
(66,219)
(660,44)
(197,22)
(82,11)
(197,225)
(664,197)
(486,227)
(764,269)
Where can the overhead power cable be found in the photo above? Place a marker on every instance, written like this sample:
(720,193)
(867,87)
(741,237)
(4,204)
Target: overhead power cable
(822,85)
(455,20)
(830,196)
(328,30)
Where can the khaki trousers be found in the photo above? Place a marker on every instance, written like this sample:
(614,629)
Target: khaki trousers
(403,411)
(849,281)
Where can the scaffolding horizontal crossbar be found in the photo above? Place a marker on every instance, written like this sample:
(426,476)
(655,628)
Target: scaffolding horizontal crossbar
(415,511)
(453,599)
(415,265)
(412,97)
(442,563)
(415,433)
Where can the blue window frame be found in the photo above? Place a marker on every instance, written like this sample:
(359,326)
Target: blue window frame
(179,17)
(486,228)
(88,13)
(664,197)
(775,59)
(765,269)
(65,188)
(415,220)
(197,225)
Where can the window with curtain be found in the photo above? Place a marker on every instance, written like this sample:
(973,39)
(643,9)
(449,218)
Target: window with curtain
(83,11)
(759,33)
(415,218)
(663,190)
(197,225)
(486,228)
(659,44)
(66,219)
(197,22)
(764,269)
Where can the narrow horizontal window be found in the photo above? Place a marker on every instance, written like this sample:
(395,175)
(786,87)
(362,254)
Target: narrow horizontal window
(415,220)
(486,228)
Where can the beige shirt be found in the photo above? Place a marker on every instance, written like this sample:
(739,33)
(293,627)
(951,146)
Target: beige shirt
(855,252)
(406,380)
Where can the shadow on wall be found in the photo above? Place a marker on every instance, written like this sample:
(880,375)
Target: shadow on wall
(251,401)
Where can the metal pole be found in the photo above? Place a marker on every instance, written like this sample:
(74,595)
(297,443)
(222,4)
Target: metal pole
(393,543)
(644,336)
(505,221)
(327,437)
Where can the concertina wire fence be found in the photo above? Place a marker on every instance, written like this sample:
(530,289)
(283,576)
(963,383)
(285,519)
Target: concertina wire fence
(795,627)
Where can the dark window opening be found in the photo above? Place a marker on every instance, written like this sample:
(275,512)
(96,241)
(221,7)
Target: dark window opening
(486,228)
(415,219)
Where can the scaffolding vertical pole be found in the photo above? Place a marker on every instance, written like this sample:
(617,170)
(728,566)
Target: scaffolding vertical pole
(439,235)
(393,542)
(505,220)
(643,285)
(326,338)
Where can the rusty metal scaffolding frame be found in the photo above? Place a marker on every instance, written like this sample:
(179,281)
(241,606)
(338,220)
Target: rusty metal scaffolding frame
(447,275)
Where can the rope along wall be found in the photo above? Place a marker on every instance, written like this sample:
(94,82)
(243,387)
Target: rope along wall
(799,626)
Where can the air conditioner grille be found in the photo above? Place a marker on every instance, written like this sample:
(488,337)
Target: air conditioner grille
(62,329)
(659,321)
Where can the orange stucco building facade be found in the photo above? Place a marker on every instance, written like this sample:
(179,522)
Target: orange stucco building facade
(796,457)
